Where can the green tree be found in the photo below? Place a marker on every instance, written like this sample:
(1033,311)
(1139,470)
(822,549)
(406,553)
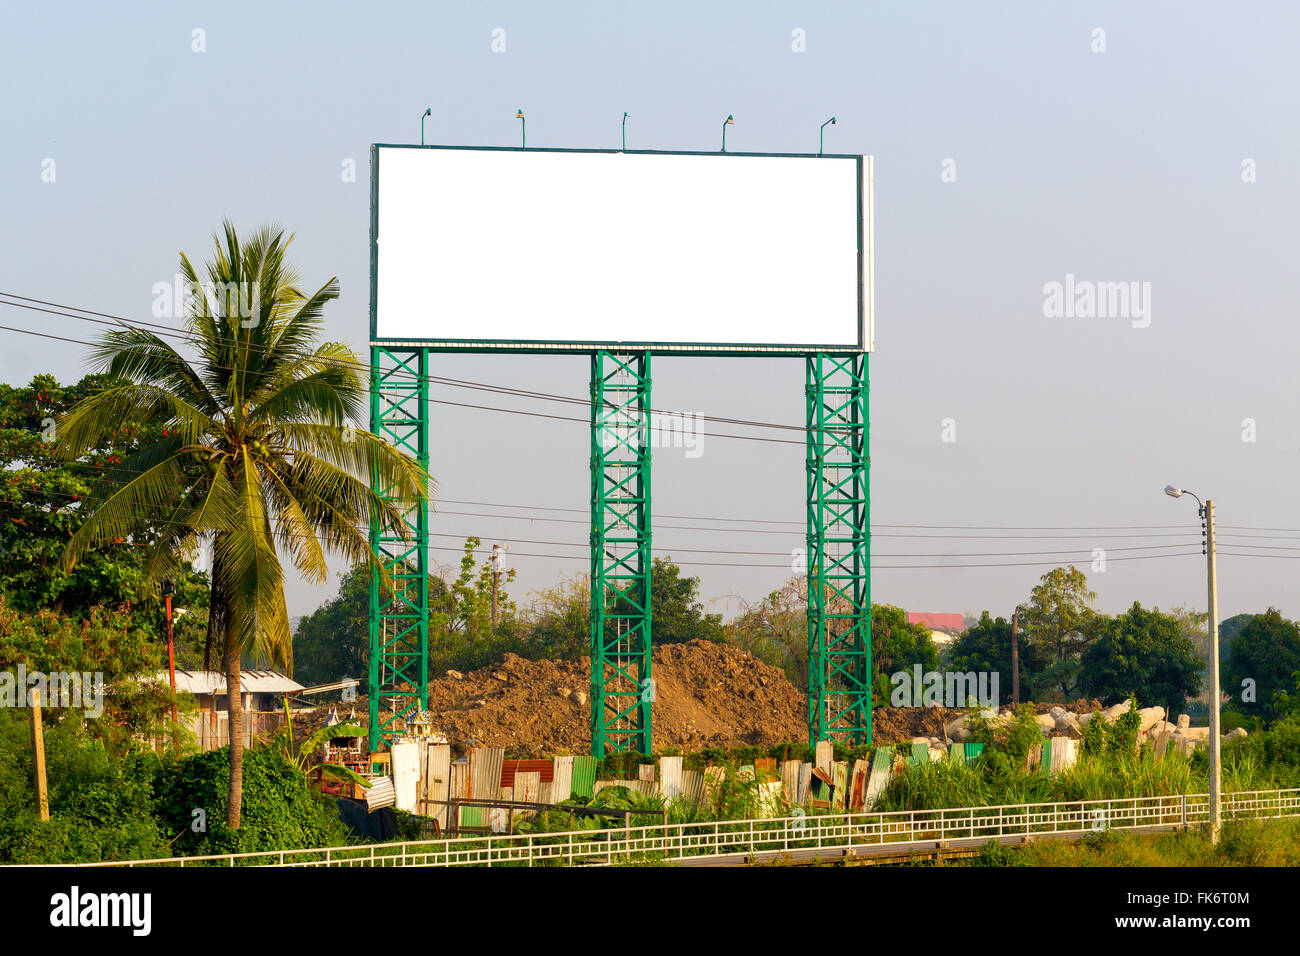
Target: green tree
(332,643)
(775,630)
(1261,671)
(897,644)
(40,507)
(1059,619)
(1141,654)
(678,614)
(558,621)
(257,452)
(986,646)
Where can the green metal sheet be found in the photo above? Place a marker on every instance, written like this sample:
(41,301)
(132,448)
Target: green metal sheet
(584,777)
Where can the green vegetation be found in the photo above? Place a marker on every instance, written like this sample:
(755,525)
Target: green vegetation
(1263,670)
(106,805)
(1244,843)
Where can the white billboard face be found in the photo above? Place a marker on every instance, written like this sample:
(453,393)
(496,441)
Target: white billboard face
(552,249)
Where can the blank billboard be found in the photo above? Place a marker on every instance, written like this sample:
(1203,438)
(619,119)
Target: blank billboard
(573,249)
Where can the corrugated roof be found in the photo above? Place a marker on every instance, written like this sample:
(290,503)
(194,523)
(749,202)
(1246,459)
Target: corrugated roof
(250,682)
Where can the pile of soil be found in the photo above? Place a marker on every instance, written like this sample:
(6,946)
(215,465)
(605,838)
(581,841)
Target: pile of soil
(705,695)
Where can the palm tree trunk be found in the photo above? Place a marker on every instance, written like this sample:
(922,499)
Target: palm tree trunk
(235,709)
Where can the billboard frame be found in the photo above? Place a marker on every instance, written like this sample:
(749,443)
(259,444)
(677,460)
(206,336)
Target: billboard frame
(866,283)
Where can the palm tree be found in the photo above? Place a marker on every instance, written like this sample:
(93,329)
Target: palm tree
(258,457)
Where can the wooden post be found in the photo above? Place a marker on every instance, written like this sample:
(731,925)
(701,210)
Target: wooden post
(1015,657)
(38,750)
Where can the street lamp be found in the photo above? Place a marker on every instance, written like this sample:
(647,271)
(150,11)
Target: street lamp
(821,134)
(729,121)
(1206,511)
(427,113)
(523,129)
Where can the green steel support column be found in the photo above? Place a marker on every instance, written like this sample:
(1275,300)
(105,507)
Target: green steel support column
(399,606)
(839,549)
(621,689)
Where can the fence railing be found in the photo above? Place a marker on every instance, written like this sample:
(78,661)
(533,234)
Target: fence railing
(798,833)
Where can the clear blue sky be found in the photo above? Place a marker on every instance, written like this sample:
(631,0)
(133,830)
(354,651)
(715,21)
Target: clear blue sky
(1122,165)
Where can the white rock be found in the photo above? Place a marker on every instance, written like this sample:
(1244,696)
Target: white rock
(1067,725)
(1235,734)
(1150,716)
(1184,721)
(1111,714)
(455,675)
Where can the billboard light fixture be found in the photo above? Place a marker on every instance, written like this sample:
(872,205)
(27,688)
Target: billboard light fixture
(523,129)
(625,131)
(428,111)
(821,136)
(729,121)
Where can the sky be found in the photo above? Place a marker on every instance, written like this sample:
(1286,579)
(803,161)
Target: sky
(1016,146)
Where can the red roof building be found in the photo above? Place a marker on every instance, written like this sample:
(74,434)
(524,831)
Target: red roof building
(952,623)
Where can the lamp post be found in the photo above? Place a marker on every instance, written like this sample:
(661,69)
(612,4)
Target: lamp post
(821,134)
(625,132)
(523,129)
(729,121)
(168,589)
(1206,511)
(427,113)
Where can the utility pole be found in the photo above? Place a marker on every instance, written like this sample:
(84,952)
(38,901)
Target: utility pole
(1206,512)
(1015,657)
(1212,581)
(496,581)
(38,752)
(169,587)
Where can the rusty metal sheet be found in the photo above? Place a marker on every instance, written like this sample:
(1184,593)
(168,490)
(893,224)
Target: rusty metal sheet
(510,767)
(840,779)
(857,786)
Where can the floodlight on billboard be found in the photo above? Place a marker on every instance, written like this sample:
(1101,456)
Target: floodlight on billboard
(502,249)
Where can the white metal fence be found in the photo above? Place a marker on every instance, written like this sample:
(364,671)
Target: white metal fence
(800,834)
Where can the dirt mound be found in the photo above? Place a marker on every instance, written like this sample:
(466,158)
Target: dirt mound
(705,695)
